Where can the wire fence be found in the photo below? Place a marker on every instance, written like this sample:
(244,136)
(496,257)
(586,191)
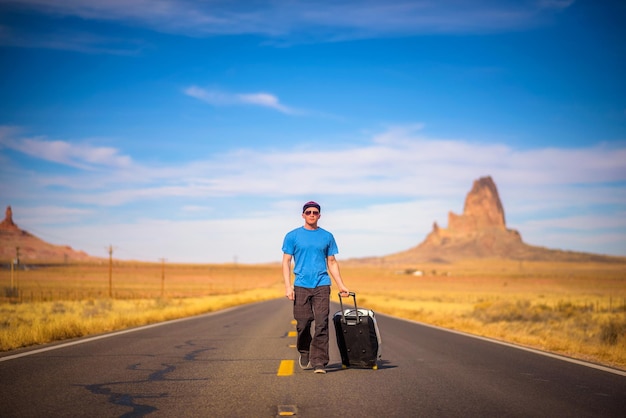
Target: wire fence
(13,295)
(128,280)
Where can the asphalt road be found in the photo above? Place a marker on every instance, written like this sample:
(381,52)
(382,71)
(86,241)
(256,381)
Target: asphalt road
(227,364)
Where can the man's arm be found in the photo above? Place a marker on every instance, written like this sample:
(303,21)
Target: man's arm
(333,269)
(287,276)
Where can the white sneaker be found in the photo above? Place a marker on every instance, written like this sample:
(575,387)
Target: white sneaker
(303,366)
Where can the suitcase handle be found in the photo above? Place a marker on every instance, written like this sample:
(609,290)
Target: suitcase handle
(356,309)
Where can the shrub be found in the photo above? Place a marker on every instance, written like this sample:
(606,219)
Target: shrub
(611,331)
(506,311)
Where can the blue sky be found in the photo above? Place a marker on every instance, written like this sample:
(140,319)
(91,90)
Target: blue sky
(195,131)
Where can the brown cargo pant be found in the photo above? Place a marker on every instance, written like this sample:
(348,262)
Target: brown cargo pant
(312,305)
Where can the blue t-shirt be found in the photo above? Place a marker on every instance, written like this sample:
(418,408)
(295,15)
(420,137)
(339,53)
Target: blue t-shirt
(310,248)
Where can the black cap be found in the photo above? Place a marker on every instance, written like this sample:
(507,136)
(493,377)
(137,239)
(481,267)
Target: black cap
(311,204)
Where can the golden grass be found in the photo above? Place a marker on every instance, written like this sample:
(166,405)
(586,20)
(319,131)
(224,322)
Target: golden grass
(42,322)
(575,309)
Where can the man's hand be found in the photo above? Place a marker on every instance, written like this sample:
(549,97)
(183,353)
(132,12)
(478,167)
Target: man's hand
(344,292)
(289,293)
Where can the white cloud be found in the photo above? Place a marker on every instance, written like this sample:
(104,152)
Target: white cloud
(264,99)
(345,19)
(380,197)
(80,155)
(47,214)
(555,4)
(581,222)
(218,98)
(211,240)
(70,39)
(405,165)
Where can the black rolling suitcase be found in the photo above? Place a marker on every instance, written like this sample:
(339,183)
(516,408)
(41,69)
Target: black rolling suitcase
(358,337)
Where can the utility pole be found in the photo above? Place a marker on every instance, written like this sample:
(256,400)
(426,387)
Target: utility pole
(110,271)
(12,269)
(162,277)
(17,273)
(15,261)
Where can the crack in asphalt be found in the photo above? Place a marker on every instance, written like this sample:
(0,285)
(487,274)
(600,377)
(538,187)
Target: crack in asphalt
(138,402)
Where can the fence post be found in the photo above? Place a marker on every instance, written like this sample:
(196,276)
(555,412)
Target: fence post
(110,270)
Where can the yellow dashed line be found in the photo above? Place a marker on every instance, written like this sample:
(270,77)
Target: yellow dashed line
(285,368)
(287,410)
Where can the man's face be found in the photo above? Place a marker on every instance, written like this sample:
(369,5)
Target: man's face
(311,215)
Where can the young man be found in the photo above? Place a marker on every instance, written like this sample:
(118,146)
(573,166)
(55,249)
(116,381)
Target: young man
(313,250)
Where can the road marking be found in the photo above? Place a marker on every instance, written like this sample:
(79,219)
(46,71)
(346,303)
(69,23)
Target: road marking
(285,368)
(293,322)
(287,410)
(292,334)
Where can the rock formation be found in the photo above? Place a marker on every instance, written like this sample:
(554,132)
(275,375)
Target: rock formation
(16,242)
(481,229)
(7,224)
(483,209)
(481,232)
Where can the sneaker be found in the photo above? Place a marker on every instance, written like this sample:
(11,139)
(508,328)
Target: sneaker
(304,362)
(320,370)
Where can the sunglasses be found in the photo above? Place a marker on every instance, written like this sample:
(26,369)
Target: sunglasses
(311,212)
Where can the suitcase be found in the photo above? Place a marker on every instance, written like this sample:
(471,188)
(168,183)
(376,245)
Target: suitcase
(358,337)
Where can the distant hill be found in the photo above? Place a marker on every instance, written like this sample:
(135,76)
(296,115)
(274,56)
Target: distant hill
(32,249)
(481,232)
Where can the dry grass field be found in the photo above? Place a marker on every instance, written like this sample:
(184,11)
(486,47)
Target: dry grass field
(67,301)
(575,309)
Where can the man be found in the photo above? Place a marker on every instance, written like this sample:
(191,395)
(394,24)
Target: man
(313,250)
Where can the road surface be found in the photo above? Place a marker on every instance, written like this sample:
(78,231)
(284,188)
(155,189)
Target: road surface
(237,363)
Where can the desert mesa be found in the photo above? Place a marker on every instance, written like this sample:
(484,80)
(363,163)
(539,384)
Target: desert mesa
(17,244)
(480,233)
